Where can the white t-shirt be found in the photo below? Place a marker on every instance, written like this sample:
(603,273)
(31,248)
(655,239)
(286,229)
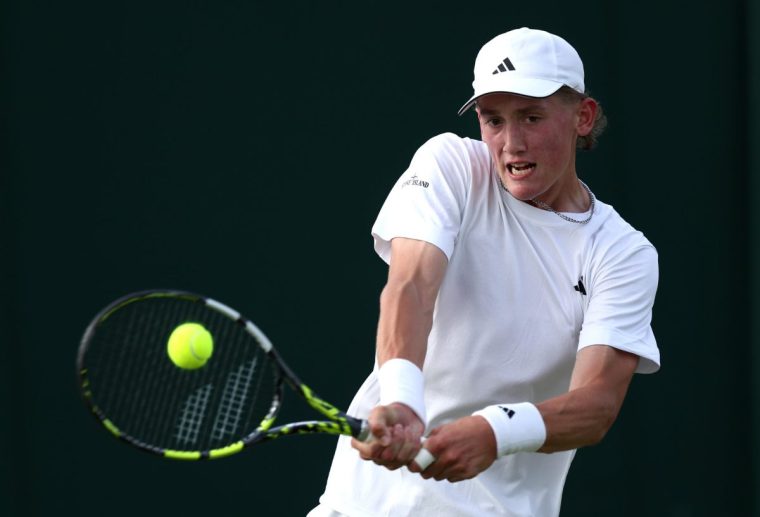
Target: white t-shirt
(523,291)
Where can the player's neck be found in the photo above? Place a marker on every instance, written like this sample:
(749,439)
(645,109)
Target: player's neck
(568,196)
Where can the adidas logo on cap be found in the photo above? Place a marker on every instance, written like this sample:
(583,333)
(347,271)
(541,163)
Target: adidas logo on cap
(505,65)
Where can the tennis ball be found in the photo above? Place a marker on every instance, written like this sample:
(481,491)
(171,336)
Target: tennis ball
(190,346)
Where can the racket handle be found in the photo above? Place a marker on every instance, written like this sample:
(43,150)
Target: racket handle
(365,435)
(424,458)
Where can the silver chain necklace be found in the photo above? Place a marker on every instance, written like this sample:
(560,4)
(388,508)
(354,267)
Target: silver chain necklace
(541,204)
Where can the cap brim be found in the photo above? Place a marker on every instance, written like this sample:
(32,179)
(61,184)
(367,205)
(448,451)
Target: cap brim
(525,86)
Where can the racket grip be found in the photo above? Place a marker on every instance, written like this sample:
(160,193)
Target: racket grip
(365,435)
(424,458)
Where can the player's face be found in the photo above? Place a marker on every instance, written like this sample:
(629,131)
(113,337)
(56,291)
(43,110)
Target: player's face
(532,142)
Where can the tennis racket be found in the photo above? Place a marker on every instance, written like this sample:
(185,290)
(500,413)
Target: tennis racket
(230,403)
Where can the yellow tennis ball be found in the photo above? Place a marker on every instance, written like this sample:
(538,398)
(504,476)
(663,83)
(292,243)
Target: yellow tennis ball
(190,346)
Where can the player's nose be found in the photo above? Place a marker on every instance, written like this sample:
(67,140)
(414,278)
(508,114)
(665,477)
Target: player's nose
(514,139)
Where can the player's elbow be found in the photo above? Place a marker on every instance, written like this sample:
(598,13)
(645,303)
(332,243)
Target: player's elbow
(406,294)
(606,416)
(597,434)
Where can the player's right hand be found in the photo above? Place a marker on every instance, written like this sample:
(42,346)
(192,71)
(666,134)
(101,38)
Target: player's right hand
(396,433)
(463,449)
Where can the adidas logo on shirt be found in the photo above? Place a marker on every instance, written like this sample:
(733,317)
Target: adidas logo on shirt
(580,287)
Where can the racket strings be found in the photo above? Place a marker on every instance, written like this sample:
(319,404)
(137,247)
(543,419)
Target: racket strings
(233,401)
(191,416)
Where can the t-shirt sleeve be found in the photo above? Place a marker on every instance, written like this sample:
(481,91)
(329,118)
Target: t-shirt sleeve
(619,313)
(427,202)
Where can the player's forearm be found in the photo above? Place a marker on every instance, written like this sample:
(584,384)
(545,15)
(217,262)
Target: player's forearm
(584,414)
(579,418)
(406,317)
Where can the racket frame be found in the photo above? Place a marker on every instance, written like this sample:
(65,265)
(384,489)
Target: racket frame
(337,423)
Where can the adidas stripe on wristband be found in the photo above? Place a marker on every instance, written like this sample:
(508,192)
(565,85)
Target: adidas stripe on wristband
(402,381)
(517,427)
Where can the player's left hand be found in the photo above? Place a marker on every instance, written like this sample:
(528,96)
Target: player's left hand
(397,431)
(463,449)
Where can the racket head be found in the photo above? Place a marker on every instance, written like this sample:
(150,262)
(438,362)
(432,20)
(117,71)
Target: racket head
(132,387)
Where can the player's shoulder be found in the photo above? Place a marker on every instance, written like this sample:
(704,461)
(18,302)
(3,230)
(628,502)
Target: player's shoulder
(455,153)
(616,233)
(451,142)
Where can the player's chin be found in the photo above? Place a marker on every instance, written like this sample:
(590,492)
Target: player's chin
(521,191)
(521,188)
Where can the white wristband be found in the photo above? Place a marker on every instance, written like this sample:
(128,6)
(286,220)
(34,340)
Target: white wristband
(402,381)
(517,427)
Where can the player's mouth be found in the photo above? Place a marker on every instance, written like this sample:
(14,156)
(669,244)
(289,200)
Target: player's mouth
(520,168)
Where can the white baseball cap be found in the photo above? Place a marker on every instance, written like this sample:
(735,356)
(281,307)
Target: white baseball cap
(527,62)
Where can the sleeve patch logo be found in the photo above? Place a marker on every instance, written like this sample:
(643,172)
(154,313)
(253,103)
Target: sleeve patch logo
(414,181)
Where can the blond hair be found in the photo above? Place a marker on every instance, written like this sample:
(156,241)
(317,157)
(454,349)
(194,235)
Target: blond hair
(589,141)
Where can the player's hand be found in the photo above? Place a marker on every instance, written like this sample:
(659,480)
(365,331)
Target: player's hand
(463,449)
(396,433)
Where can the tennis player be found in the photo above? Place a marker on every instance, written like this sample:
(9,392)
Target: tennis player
(517,308)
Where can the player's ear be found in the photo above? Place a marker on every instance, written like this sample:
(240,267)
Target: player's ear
(586,115)
(476,109)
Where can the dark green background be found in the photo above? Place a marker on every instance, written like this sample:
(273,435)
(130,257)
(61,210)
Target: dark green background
(242,150)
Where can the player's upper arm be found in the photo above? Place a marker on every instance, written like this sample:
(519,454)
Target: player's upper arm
(418,262)
(427,203)
(408,299)
(622,296)
(606,367)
